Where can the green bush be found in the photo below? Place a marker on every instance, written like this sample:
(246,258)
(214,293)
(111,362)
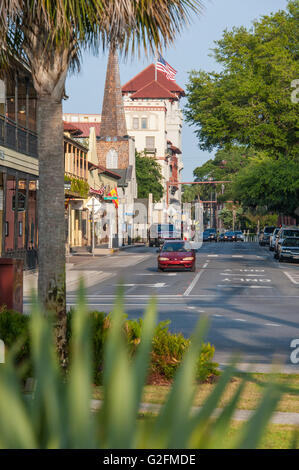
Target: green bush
(167,348)
(58,414)
(15,327)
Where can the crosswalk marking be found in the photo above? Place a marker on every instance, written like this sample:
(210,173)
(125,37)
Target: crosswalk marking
(294,277)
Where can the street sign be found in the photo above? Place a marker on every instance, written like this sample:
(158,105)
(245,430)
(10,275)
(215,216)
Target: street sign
(93,204)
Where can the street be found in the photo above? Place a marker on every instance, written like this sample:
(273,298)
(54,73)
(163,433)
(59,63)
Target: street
(250,298)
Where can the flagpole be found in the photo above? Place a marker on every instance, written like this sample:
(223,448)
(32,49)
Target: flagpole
(156,60)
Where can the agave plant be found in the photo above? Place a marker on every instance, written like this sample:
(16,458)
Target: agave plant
(57,413)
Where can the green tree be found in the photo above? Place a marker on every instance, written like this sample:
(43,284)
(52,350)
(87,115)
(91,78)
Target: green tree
(269,184)
(50,36)
(249,101)
(149,177)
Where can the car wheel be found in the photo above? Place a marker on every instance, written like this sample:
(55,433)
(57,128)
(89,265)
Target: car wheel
(280,259)
(161,270)
(193,269)
(275,255)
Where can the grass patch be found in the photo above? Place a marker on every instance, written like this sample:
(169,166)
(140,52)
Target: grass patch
(249,399)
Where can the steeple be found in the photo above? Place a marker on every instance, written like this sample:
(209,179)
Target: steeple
(113,122)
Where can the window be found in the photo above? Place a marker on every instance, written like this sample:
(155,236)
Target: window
(135,123)
(6,229)
(20,229)
(143,123)
(150,142)
(112,159)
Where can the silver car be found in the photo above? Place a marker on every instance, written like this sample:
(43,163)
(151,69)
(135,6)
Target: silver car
(285,232)
(273,238)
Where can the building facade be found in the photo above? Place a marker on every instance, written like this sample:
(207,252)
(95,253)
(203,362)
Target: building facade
(154,118)
(18,167)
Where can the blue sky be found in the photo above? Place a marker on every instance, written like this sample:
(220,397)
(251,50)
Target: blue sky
(191,51)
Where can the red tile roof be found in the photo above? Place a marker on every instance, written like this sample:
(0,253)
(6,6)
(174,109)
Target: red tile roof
(84,127)
(146,77)
(153,90)
(73,130)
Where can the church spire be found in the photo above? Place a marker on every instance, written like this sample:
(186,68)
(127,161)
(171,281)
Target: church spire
(113,122)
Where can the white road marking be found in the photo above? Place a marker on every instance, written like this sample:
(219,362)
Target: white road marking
(242,275)
(158,284)
(245,286)
(192,285)
(237,256)
(213,256)
(271,324)
(155,274)
(217,315)
(239,319)
(294,278)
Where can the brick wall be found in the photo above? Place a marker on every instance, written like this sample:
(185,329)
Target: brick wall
(122,148)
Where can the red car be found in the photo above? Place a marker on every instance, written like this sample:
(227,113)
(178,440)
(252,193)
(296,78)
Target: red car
(176,254)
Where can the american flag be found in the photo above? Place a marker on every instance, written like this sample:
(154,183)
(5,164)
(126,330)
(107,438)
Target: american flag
(164,67)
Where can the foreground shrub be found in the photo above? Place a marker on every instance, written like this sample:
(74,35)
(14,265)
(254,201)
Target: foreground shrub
(167,353)
(14,328)
(58,414)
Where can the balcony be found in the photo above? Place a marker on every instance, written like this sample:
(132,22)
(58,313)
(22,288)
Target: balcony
(17,137)
(150,150)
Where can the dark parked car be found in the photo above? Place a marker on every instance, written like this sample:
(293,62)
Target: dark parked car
(265,235)
(176,254)
(288,250)
(229,237)
(209,235)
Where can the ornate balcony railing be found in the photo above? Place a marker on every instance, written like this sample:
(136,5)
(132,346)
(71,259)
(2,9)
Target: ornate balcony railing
(17,137)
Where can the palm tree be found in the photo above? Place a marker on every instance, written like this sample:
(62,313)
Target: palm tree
(50,35)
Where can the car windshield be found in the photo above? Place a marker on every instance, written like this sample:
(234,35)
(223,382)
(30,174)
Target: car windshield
(269,229)
(165,228)
(291,242)
(239,232)
(210,230)
(276,231)
(173,247)
(290,233)
(229,233)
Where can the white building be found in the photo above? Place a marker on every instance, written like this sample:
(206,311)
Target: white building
(154,118)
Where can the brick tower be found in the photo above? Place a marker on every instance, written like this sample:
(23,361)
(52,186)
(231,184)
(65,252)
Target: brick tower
(113,146)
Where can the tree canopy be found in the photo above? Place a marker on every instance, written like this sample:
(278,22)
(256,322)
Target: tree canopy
(249,101)
(149,177)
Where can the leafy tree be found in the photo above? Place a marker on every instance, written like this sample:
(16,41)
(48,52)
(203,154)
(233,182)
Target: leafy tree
(149,177)
(271,184)
(49,36)
(249,102)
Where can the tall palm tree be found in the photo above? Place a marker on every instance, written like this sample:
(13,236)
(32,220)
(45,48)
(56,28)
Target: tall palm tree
(50,35)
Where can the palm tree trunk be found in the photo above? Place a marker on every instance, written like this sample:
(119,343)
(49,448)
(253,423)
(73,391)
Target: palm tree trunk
(51,279)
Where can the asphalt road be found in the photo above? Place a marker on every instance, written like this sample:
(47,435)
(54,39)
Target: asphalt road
(251,299)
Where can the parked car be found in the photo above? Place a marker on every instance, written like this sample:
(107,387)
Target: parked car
(209,235)
(176,254)
(239,236)
(273,239)
(159,233)
(229,237)
(288,250)
(264,238)
(284,232)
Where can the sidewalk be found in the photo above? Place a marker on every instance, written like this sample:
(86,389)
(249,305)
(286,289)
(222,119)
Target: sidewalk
(278,417)
(73,277)
(103,250)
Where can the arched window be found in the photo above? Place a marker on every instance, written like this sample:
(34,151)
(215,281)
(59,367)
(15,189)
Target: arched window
(112,159)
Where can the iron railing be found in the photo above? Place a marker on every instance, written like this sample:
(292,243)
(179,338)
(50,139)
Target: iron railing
(17,137)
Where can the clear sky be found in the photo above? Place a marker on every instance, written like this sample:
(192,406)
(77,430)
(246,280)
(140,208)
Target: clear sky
(191,51)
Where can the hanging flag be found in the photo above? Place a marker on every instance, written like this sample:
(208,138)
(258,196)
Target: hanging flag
(164,67)
(113,193)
